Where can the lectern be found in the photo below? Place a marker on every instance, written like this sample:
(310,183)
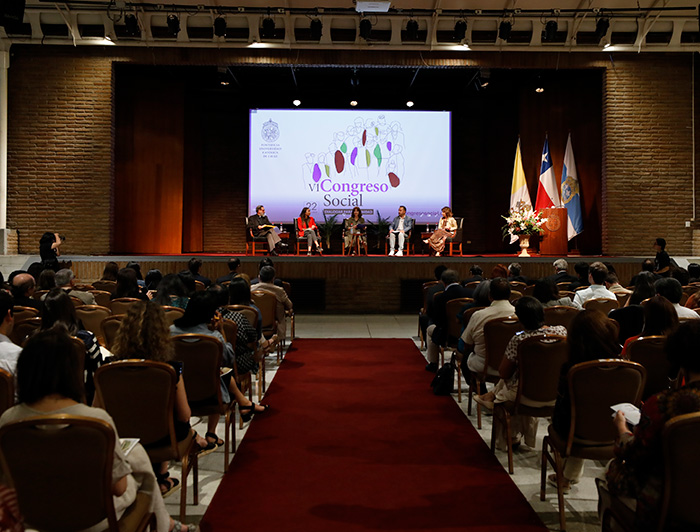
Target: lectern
(554,240)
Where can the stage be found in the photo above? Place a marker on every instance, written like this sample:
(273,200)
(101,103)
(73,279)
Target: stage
(335,284)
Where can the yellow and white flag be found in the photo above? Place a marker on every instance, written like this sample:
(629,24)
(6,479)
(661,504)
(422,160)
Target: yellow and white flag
(518,191)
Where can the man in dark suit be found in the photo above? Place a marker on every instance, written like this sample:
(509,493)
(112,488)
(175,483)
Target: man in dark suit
(477,274)
(23,286)
(560,274)
(233,264)
(437,333)
(515,273)
(257,223)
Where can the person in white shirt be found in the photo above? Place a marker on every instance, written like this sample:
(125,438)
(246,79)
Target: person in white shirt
(473,336)
(9,352)
(597,273)
(401,226)
(672,290)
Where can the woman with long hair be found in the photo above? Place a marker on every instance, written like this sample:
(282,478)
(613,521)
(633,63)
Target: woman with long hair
(354,229)
(110,272)
(447,228)
(171,292)
(127,285)
(144,334)
(306,228)
(59,311)
(660,319)
(48,383)
(643,288)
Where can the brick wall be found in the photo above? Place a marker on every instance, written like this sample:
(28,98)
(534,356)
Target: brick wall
(60,162)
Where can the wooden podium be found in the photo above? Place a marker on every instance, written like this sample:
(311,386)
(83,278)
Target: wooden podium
(554,240)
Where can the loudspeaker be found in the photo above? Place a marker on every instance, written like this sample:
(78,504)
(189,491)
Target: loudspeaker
(11,12)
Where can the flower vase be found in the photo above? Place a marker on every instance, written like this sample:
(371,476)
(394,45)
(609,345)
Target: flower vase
(524,244)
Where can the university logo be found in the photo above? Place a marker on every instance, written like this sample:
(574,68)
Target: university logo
(569,189)
(270,131)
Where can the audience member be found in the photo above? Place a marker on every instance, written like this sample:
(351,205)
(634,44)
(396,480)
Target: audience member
(530,312)
(647,266)
(473,336)
(239,294)
(427,317)
(171,292)
(137,268)
(597,273)
(694,272)
(581,269)
(127,285)
(267,283)
(476,274)
(560,272)
(680,274)
(188,281)
(65,280)
(47,280)
(499,270)
(199,316)
(637,472)
(49,249)
(515,273)
(660,319)
(35,269)
(547,292)
(110,272)
(437,332)
(9,352)
(48,383)
(592,336)
(194,266)
(233,264)
(265,261)
(672,290)
(23,291)
(662,261)
(153,279)
(612,283)
(644,288)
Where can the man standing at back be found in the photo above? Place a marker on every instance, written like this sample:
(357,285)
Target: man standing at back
(401,226)
(473,336)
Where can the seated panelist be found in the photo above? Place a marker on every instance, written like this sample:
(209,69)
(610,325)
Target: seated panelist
(401,226)
(260,225)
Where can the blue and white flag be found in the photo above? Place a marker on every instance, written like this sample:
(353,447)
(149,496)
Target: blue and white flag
(570,192)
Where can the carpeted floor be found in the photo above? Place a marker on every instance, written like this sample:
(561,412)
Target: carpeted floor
(355,440)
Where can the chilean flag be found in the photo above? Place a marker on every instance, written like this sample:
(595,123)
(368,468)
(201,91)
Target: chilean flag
(548,189)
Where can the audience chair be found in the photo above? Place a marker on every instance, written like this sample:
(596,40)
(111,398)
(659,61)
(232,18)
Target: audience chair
(649,352)
(514,296)
(121,304)
(679,509)
(540,359)
(407,243)
(201,358)
(289,313)
(454,331)
(172,313)
(23,329)
(566,293)
(497,334)
(80,352)
(76,301)
(267,303)
(601,304)
(466,316)
(61,469)
(622,299)
(140,397)
(560,315)
(472,285)
(39,294)
(22,313)
(106,286)
(252,316)
(684,299)
(92,317)
(455,241)
(199,286)
(529,290)
(254,243)
(566,286)
(517,285)
(630,319)
(593,387)
(7,390)
(423,310)
(243,380)
(102,298)
(110,328)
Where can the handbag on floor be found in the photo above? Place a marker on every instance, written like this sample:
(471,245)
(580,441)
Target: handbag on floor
(443,383)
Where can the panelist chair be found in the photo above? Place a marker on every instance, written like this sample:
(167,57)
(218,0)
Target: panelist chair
(357,243)
(300,240)
(456,241)
(407,243)
(78,451)
(254,243)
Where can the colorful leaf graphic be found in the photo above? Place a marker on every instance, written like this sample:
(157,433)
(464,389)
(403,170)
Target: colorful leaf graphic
(394,179)
(378,154)
(316,173)
(339,162)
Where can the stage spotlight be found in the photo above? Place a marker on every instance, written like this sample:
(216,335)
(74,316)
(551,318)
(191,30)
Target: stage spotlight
(550,30)
(365,29)
(601,28)
(504,30)
(412,30)
(268,28)
(353,103)
(173,23)
(220,26)
(316,29)
(409,103)
(132,25)
(296,102)
(460,30)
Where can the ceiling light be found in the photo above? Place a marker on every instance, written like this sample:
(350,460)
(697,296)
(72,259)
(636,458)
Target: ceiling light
(296,103)
(132,24)
(316,29)
(173,23)
(601,28)
(504,30)
(412,30)
(539,89)
(372,6)
(268,28)
(353,103)
(550,30)
(460,30)
(409,103)
(365,29)
(220,26)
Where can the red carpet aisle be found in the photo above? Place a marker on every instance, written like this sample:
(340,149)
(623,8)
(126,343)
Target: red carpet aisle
(355,441)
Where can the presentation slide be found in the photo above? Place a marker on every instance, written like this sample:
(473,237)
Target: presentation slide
(334,160)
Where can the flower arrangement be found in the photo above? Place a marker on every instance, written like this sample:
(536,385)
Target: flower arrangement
(523,220)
